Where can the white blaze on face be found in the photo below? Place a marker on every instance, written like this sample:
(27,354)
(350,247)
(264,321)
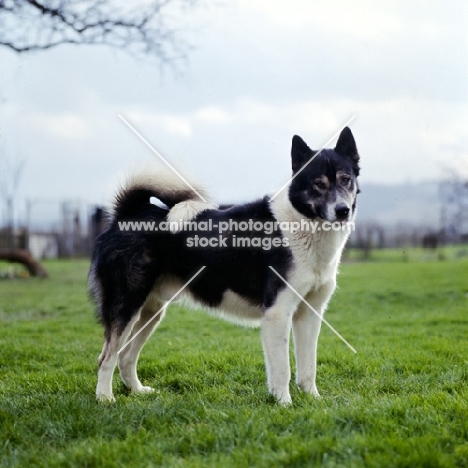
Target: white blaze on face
(329,212)
(345,193)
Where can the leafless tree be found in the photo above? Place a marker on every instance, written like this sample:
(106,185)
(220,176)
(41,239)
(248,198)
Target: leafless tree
(369,235)
(10,175)
(141,28)
(454,207)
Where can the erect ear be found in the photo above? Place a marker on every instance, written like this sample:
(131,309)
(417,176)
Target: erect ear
(300,153)
(346,146)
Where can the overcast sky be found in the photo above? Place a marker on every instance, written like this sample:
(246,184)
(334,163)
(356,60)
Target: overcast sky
(260,72)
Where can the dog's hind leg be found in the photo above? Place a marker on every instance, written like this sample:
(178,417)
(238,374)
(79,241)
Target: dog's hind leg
(115,338)
(143,329)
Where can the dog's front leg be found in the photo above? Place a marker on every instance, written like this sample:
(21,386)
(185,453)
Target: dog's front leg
(276,328)
(306,329)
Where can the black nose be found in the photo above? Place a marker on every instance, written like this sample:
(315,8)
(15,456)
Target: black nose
(342,212)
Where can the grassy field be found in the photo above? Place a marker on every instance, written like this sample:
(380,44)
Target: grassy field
(401,401)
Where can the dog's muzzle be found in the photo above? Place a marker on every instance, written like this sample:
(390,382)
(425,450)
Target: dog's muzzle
(342,212)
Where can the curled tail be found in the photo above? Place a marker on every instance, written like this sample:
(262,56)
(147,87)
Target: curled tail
(162,184)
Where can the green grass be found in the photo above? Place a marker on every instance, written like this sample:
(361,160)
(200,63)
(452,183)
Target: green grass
(401,401)
(410,254)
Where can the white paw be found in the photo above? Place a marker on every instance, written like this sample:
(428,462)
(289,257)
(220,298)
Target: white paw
(142,389)
(104,398)
(284,398)
(309,388)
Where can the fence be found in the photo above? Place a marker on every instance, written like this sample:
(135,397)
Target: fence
(71,234)
(71,228)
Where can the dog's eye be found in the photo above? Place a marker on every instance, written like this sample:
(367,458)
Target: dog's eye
(320,184)
(345,180)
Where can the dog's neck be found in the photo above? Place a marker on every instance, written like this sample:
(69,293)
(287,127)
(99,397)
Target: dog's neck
(327,244)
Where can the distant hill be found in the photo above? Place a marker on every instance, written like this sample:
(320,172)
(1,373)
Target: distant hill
(388,205)
(416,204)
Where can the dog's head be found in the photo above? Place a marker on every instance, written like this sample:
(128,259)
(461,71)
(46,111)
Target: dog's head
(326,186)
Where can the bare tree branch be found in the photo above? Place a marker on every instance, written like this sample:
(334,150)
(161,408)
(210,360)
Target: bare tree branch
(139,28)
(453,193)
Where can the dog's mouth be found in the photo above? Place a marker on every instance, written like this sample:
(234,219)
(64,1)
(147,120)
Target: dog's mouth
(330,213)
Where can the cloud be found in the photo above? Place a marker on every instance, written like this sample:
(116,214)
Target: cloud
(245,111)
(213,115)
(262,71)
(173,124)
(65,126)
(358,19)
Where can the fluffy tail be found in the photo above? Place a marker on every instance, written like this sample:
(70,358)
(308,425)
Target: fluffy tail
(162,184)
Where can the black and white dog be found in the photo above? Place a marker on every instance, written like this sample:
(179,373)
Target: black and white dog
(247,251)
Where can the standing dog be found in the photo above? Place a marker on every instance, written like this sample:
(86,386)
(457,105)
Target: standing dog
(135,271)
